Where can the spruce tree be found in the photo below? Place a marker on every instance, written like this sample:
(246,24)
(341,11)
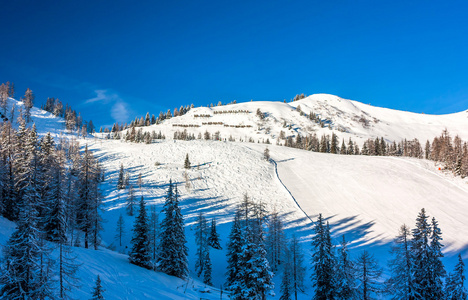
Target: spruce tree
(20,274)
(130,201)
(120,230)
(140,253)
(98,290)
(344,274)
(322,262)
(213,238)
(234,248)
(153,234)
(399,285)
(436,268)
(187,162)
(201,239)
(207,269)
(120,180)
(172,258)
(455,284)
(421,258)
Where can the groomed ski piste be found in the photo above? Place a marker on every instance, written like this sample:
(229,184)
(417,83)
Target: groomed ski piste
(364,198)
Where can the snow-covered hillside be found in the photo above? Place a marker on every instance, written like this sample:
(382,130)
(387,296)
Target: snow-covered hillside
(366,198)
(346,118)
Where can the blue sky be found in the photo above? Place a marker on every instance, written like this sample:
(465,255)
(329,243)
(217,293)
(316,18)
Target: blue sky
(114,60)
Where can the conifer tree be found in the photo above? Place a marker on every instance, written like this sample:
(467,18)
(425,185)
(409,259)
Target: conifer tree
(172,258)
(55,223)
(98,290)
(140,253)
(344,274)
(153,234)
(322,262)
(28,101)
(234,248)
(120,181)
(213,238)
(275,241)
(207,269)
(130,201)
(187,162)
(296,257)
(286,288)
(399,285)
(436,268)
(120,230)
(88,218)
(421,257)
(20,274)
(201,240)
(254,277)
(266,154)
(455,284)
(368,274)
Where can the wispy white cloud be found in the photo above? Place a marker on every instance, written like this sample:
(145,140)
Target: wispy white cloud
(119,111)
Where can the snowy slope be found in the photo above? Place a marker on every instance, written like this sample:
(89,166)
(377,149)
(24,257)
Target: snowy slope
(346,118)
(366,198)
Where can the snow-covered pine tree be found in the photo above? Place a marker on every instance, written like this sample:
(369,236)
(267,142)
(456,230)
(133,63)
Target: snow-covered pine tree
(172,258)
(421,257)
(234,248)
(255,277)
(140,254)
(213,238)
(436,268)
(266,154)
(130,200)
(98,290)
(297,265)
(187,162)
(120,180)
(322,262)
(334,144)
(201,239)
(120,230)
(286,286)
(153,234)
(455,283)
(399,285)
(20,274)
(28,101)
(367,274)
(7,150)
(275,241)
(207,270)
(55,219)
(88,202)
(345,274)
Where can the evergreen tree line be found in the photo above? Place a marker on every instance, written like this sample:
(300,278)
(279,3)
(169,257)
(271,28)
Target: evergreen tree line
(161,247)
(73,119)
(416,268)
(150,120)
(52,193)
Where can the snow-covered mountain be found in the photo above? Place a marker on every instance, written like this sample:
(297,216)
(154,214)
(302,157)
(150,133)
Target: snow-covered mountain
(346,118)
(365,198)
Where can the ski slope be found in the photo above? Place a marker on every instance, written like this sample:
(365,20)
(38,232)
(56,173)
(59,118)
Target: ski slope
(365,198)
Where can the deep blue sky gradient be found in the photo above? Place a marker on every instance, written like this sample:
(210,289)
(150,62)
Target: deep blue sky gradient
(155,55)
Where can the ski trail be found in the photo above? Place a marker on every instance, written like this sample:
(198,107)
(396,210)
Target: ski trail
(289,192)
